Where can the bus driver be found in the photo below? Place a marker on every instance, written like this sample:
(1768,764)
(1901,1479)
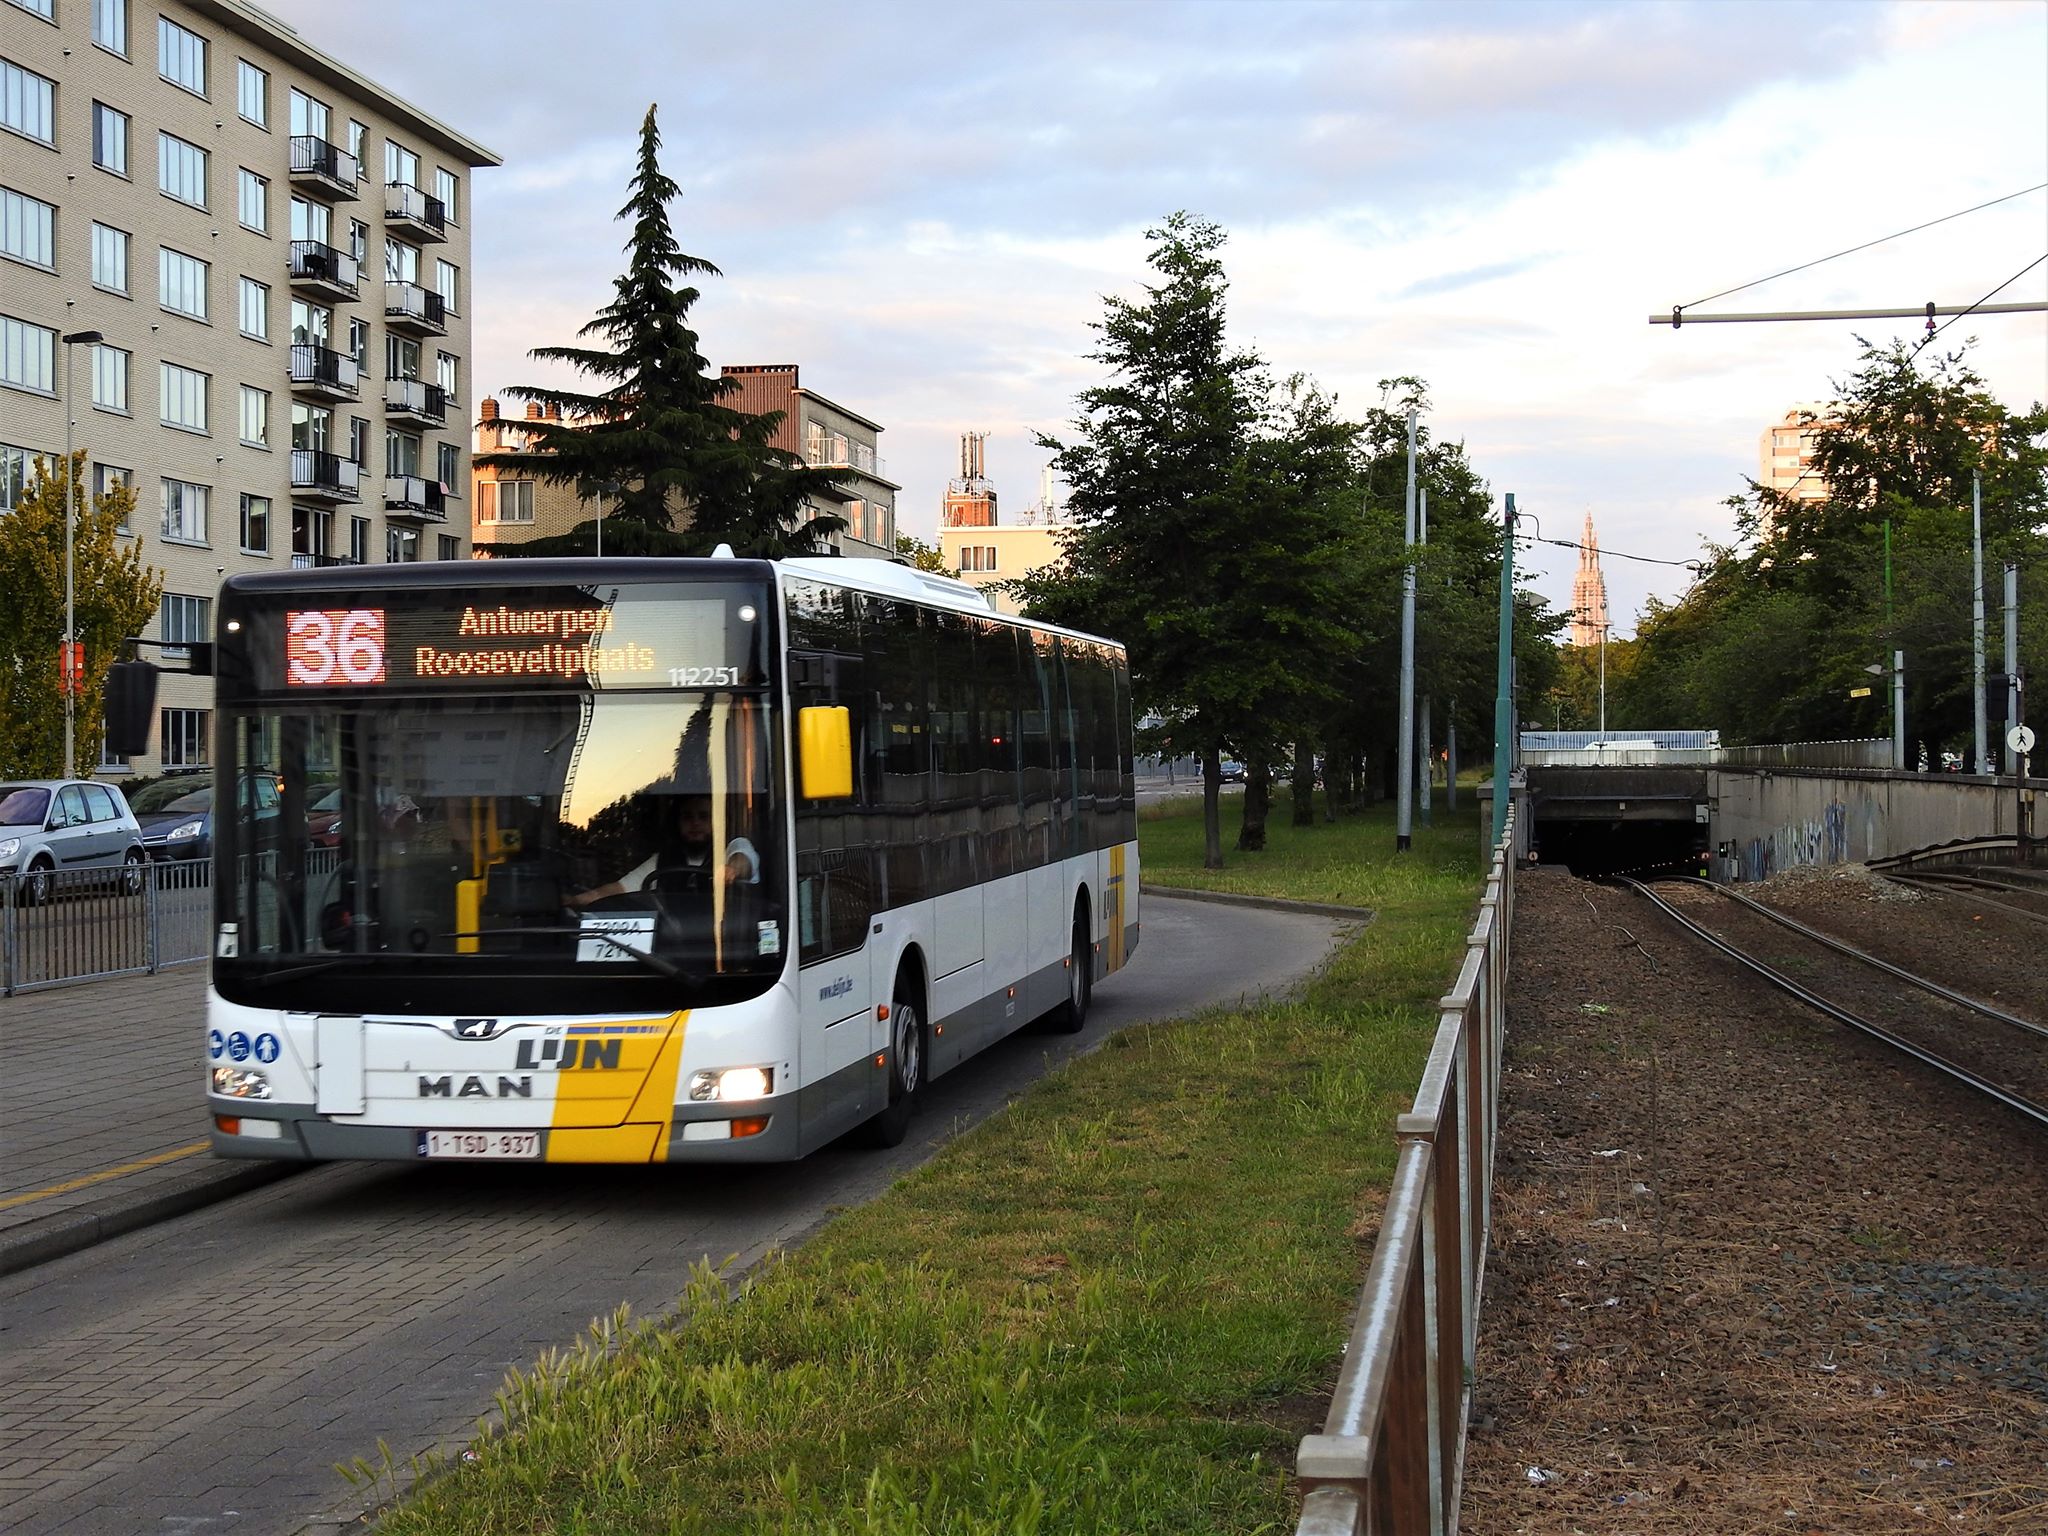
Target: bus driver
(690,849)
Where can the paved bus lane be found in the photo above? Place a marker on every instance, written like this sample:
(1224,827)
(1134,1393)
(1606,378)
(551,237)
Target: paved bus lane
(209,1373)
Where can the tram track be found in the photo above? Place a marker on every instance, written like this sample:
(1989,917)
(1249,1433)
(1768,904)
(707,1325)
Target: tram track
(1998,1053)
(2016,896)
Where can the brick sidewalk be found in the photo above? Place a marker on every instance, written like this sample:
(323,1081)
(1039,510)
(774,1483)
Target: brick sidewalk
(104,1092)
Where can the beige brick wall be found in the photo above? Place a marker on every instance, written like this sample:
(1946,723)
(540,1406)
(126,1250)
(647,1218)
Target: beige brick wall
(66,300)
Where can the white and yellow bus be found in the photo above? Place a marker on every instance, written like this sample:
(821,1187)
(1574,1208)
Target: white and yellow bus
(646,860)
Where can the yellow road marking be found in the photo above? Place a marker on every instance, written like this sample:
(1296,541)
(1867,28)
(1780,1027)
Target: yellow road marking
(102,1176)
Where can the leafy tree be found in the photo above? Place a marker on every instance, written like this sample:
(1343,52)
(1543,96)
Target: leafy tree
(922,556)
(1773,639)
(1166,550)
(114,595)
(660,446)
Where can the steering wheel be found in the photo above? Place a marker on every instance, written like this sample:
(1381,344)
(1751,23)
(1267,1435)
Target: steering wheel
(679,880)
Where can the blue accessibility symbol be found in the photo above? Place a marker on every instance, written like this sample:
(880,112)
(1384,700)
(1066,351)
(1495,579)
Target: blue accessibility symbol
(216,1042)
(238,1046)
(266,1048)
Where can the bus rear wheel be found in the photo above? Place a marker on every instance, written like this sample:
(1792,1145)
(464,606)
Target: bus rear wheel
(1071,1017)
(906,1069)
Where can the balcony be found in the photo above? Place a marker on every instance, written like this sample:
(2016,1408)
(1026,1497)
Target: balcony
(305,562)
(414,496)
(409,307)
(323,271)
(321,476)
(323,169)
(409,211)
(322,373)
(834,450)
(416,400)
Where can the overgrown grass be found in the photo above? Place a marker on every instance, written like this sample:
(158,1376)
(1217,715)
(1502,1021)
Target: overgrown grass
(1113,1308)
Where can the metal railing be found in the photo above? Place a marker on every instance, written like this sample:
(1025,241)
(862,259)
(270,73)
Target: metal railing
(1867,752)
(59,926)
(1391,1455)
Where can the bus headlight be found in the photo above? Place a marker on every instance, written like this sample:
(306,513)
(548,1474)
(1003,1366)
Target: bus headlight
(234,1083)
(735,1084)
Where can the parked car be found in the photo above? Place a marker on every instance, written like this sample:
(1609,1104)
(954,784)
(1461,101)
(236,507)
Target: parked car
(1230,771)
(49,826)
(323,818)
(177,813)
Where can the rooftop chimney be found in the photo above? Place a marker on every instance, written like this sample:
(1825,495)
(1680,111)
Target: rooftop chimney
(490,408)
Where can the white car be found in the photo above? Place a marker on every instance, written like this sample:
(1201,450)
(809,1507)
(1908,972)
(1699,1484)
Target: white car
(49,827)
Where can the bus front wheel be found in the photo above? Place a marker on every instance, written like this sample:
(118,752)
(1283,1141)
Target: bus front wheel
(906,1067)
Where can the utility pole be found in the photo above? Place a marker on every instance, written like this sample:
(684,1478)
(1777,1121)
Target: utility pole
(1603,684)
(2012,659)
(68,666)
(1404,809)
(1503,702)
(1425,788)
(1451,756)
(1899,711)
(1980,738)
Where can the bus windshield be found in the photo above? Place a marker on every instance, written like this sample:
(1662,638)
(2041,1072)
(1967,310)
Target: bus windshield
(493,852)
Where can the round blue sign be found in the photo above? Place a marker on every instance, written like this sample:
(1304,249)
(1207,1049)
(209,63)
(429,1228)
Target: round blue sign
(266,1048)
(238,1046)
(216,1042)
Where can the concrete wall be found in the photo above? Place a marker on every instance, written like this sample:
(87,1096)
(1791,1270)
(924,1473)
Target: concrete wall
(1775,819)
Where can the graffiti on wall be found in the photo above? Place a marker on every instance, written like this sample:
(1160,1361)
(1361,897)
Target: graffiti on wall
(1822,839)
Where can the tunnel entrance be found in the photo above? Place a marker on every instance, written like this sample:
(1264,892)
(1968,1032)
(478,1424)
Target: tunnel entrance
(1644,849)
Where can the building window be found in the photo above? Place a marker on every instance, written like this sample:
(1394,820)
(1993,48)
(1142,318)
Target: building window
(401,546)
(312,425)
(13,475)
(252,93)
(356,134)
(253,201)
(308,116)
(181,283)
(28,355)
(311,528)
(255,309)
(401,453)
(28,229)
(104,478)
(359,540)
(110,761)
(109,259)
(311,324)
(401,357)
(180,56)
(110,378)
(185,511)
(359,344)
(28,103)
(446,185)
(504,501)
(450,547)
(110,25)
(310,221)
(447,283)
(182,620)
(180,170)
(47,9)
(183,742)
(358,240)
(109,139)
(448,468)
(255,417)
(448,374)
(401,262)
(255,524)
(401,165)
(181,396)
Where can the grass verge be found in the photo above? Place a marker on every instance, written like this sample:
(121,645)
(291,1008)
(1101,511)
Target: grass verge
(1113,1308)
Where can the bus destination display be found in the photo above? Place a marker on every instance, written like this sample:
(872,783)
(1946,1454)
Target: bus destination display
(672,642)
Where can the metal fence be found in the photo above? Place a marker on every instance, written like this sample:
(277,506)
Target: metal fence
(1392,1452)
(1869,752)
(69,925)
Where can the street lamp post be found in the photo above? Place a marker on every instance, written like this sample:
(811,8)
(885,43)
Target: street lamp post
(90,338)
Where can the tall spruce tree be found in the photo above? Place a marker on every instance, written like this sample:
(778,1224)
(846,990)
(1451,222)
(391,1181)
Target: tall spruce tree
(675,468)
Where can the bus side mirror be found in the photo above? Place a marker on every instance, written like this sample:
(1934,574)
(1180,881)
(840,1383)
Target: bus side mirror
(130,707)
(825,751)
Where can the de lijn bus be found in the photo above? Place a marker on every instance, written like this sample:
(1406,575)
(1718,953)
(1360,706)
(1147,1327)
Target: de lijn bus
(641,860)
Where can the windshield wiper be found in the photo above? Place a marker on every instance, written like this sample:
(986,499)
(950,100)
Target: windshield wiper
(653,962)
(293,972)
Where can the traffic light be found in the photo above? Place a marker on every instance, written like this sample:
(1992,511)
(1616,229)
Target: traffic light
(131,707)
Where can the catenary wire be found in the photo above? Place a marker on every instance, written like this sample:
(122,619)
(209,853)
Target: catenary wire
(1696,303)
(1952,319)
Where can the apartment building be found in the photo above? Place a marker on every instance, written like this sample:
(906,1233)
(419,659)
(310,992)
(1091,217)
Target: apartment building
(829,436)
(508,506)
(200,202)
(1785,452)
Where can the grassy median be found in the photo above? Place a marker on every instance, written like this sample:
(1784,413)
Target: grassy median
(1112,1308)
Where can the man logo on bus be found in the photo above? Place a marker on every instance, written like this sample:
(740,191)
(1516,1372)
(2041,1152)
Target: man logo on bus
(478,1029)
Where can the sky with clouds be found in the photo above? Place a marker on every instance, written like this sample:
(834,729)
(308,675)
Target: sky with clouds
(924,204)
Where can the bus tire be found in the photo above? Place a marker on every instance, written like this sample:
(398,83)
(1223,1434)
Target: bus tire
(1071,1017)
(907,1058)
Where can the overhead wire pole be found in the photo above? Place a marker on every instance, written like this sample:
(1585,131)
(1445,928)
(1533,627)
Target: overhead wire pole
(1425,751)
(1980,738)
(1503,700)
(1404,792)
(1679,317)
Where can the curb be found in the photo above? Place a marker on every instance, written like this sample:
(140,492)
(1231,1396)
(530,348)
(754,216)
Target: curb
(1270,903)
(67,1232)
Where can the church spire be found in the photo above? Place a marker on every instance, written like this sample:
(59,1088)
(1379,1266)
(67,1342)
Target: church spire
(1589,591)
